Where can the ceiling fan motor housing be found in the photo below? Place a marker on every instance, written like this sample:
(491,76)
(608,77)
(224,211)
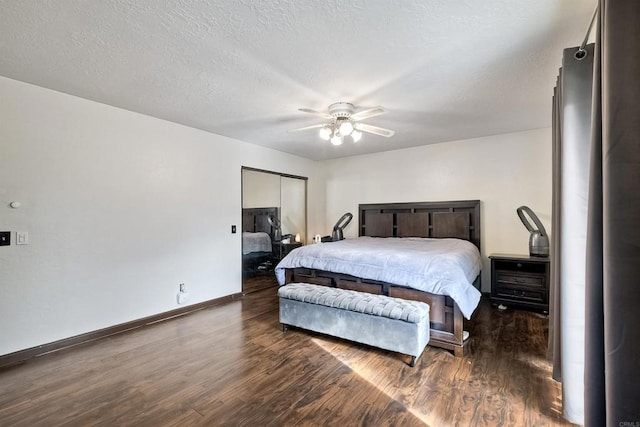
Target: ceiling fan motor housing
(341,110)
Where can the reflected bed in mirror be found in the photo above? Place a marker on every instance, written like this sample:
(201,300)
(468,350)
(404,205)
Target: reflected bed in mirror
(258,235)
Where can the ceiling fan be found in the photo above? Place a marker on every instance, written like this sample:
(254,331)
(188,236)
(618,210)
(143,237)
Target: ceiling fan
(344,121)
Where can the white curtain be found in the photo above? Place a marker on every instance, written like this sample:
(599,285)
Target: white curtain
(572,103)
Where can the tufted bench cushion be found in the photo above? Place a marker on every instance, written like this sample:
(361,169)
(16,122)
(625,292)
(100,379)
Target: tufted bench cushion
(377,320)
(361,302)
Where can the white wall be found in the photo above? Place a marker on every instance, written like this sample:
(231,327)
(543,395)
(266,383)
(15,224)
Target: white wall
(120,209)
(503,171)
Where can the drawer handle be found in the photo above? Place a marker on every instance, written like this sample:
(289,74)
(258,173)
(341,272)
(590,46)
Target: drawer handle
(519,265)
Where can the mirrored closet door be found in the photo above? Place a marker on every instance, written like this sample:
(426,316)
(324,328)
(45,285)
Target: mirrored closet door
(274,222)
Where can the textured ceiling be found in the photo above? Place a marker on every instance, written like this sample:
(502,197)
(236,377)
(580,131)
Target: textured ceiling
(444,70)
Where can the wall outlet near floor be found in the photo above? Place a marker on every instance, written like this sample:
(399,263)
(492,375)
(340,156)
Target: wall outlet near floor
(183,297)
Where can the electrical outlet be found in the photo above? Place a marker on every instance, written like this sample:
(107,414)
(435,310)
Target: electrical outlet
(183,297)
(182,287)
(233,229)
(5,238)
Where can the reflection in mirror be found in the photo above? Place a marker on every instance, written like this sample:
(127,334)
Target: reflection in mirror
(260,189)
(274,222)
(293,207)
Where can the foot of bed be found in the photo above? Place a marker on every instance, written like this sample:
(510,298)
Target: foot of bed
(413,361)
(458,351)
(284,328)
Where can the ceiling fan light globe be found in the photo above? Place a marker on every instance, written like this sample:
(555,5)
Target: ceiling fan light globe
(356,135)
(346,127)
(325,133)
(336,140)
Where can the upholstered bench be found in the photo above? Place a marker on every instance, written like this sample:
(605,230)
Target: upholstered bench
(376,320)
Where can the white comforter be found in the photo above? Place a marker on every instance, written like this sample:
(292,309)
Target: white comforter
(439,266)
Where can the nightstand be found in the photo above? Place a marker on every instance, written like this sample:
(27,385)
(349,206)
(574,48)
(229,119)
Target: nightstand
(280,250)
(520,281)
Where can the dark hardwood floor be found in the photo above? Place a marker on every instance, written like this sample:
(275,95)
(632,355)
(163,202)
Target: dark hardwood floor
(232,365)
(258,282)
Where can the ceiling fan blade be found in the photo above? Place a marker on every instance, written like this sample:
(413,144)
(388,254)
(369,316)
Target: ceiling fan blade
(387,133)
(365,114)
(308,127)
(315,113)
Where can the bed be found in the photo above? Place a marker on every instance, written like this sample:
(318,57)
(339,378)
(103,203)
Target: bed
(257,238)
(405,222)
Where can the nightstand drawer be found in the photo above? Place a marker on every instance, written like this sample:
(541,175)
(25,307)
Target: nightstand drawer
(509,278)
(522,294)
(520,266)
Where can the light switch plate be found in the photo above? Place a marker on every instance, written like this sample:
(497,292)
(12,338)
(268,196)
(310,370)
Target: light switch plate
(22,238)
(5,238)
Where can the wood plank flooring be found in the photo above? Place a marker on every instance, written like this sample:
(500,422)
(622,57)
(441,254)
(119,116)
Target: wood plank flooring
(232,365)
(258,282)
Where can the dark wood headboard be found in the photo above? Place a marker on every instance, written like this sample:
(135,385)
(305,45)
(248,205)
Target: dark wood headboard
(255,220)
(459,219)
